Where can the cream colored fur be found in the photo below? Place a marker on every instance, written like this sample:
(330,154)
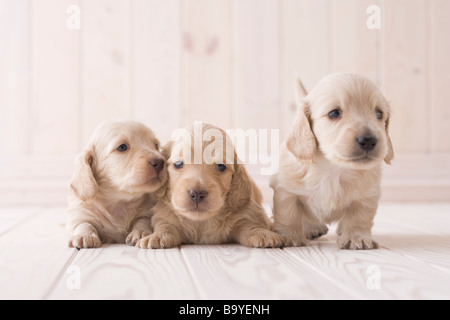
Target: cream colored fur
(110,197)
(231,212)
(324,175)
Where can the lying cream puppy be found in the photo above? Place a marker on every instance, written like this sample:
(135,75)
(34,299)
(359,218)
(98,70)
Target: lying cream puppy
(330,166)
(110,197)
(209,203)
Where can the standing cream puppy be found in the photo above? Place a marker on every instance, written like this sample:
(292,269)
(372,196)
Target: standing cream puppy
(330,166)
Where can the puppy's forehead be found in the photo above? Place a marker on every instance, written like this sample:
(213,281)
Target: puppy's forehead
(345,91)
(211,145)
(123,132)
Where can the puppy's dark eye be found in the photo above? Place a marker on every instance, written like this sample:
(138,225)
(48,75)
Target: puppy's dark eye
(221,167)
(179,164)
(335,114)
(379,114)
(122,148)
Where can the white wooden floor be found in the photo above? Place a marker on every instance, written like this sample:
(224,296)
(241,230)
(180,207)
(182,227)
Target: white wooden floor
(414,263)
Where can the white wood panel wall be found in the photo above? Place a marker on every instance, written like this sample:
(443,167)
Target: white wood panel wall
(232,63)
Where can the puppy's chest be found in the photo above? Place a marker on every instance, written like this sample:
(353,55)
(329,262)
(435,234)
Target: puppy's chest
(213,231)
(331,189)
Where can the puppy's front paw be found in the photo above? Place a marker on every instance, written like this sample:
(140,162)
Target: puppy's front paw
(85,241)
(163,240)
(134,237)
(357,242)
(265,239)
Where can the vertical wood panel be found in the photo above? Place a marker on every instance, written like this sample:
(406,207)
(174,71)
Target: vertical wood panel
(206,62)
(55,107)
(14,77)
(257,82)
(156,65)
(106,62)
(355,48)
(304,49)
(440,75)
(405,73)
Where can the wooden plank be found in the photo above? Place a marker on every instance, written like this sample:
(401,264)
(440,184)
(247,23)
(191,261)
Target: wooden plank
(405,72)
(257,76)
(416,245)
(206,62)
(105,70)
(14,77)
(56,79)
(440,75)
(237,272)
(33,255)
(400,278)
(12,216)
(304,50)
(123,272)
(355,48)
(156,65)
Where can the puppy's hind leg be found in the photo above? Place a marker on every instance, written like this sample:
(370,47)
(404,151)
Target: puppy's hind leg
(288,216)
(314,229)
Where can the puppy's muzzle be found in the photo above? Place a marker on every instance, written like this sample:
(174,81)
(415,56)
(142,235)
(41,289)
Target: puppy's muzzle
(198,196)
(367,143)
(157,164)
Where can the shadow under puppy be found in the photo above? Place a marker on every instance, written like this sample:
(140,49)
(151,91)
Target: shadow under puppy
(330,165)
(110,196)
(209,203)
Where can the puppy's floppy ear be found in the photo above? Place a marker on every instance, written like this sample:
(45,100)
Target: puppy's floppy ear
(301,141)
(390,155)
(83,182)
(164,191)
(240,192)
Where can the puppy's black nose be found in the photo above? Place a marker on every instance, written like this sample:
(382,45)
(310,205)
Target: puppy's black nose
(367,143)
(198,195)
(157,164)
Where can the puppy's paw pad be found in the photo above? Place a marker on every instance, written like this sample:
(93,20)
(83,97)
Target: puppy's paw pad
(134,237)
(158,241)
(356,242)
(87,241)
(266,239)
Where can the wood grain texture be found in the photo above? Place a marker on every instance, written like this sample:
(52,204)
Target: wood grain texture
(414,263)
(354,47)
(405,71)
(32,256)
(237,272)
(155,46)
(206,62)
(15,46)
(256,52)
(304,50)
(123,272)
(56,80)
(10,217)
(105,74)
(439,77)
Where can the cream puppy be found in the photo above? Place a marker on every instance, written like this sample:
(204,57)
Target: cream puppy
(330,165)
(110,196)
(211,202)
